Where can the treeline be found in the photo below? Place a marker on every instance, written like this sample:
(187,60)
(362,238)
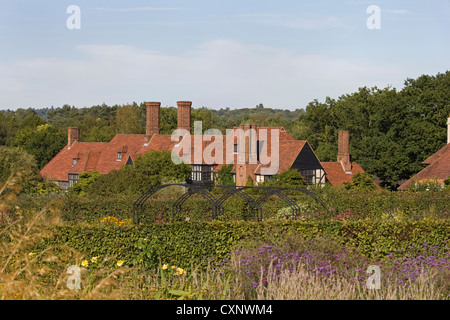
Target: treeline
(391,131)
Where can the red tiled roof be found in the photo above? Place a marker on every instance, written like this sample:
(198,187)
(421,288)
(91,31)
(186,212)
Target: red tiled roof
(435,156)
(437,171)
(288,152)
(62,164)
(102,157)
(336,175)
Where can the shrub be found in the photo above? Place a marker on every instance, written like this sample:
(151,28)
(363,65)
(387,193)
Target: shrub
(224,175)
(186,243)
(288,179)
(86,179)
(361,182)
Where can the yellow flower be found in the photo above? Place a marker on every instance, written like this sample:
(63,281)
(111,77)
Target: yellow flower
(31,255)
(173,267)
(180,271)
(164,267)
(84,263)
(94,259)
(120,263)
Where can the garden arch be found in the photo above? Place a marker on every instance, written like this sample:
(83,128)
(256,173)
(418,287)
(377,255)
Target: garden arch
(217,207)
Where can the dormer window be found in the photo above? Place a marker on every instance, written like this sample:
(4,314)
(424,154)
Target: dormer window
(74,162)
(119,156)
(235,148)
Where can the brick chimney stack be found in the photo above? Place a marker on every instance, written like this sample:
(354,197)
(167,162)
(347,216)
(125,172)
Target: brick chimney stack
(247,158)
(184,115)
(73,136)
(343,151)
(152,124)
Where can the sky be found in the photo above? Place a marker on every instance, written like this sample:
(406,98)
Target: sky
(215,53)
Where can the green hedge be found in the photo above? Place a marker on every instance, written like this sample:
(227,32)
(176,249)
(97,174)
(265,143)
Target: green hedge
(378,204)
(184,243)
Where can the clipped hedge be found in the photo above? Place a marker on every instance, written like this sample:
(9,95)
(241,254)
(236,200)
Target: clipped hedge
(183,244)
(378,204)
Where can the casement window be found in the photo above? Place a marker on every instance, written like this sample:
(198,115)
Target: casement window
(261,178)
(73,178)
(119,156)
(202,172)
(309,175)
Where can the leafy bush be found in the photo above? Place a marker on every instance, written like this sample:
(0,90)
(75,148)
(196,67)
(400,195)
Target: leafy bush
(186,244)
(288,179)
(361,182)
(18,163)
(148,171)
(224,175)
(86,179)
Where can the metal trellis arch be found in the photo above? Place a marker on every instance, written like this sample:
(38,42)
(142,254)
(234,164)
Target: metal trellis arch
(217,208)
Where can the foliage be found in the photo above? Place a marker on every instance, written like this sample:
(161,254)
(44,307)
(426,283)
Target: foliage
(288,179)
(447,182)
(184,244)
(125,181)
(128,120)
(15,161)
(330,253)
(148,171)
(361,182)
(47,187)
(391,132)
(85,180)
(224,176)
(43,142)
(160,163)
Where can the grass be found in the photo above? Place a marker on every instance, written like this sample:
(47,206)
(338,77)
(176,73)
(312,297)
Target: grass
(296,269)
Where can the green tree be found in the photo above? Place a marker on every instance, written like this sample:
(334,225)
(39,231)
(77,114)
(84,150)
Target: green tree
(43,142)
(168,122)
(225,176)
(128,120)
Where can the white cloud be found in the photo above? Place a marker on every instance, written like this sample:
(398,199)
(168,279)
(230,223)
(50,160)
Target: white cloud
(217,74)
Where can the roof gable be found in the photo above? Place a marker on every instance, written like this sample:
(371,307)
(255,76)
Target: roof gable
(438,168)
(337,176)
(435,156)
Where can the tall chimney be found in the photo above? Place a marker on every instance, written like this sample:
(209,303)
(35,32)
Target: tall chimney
(250,143)
(73,136)
(343,151)
(152,124)
(448,129)
(247,157)
(184,115)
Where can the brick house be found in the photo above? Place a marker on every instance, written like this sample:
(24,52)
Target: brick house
(78,157)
